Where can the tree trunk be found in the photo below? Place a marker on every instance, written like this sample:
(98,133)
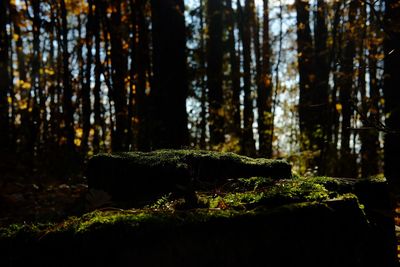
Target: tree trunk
(347,161)
(118,75)
(264,94)
(370,107)
(235,71)
(170,74)
(214,71)
(203,85)
(307,111)
(97,85)
(142,101)
(245,28)
(320,96)
(67,92)
(86,103)
(4,78)
(392,92)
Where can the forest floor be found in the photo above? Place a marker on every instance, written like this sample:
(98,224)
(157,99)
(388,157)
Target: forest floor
(32,202)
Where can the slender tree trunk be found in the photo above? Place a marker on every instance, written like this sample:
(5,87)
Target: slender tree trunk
(86,103)
(320,96)
(67,92)
(35,94)
(203,98)
(142,99)
(97,85)
(245,29)
(264,94)
(214,71)
(4,78)
(370,106)
(347,164)
(54,124)
(118,75)
(330,156)
(170,74)
(307,76)
(132,114)
(391,92)
(235,71)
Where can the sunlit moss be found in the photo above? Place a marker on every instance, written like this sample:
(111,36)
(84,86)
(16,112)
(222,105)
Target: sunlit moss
(257,196)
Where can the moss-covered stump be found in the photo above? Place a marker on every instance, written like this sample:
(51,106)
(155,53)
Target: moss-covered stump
(139,176)
(250,222)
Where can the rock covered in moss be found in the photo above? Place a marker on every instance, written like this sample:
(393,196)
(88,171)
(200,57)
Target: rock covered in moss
(304,234)
(254,222)
(138,176)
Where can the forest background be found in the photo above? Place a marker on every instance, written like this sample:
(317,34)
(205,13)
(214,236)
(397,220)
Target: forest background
(316,82)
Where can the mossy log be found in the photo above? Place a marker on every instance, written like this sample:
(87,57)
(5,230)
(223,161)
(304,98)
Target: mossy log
(139,176)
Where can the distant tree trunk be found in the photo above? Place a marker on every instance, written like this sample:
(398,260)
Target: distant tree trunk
(19,47)
(170,74)
(67,88)
(35,94)
(132,114)
(307,77)
(86,103)
(97,85)
(264,94)
(235,71)
(392,92)
(118,75)
(142,66)
(370,107)
(54,123)
(4,78)
(245,28)
(320,96)
(332,132)
(203,98)
(214,71)
(347,161)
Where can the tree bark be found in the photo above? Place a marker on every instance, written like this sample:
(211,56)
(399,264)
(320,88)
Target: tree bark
(370,106)
(307,77)
(86,103)
(142,57)
(170,74)
(203,84)
(214,71)
(235,71)
(245,29)
(320,96)
(67,87)
(391,92)
(264,94)
(97,84)
(345,87)
(118,75)
(4,78)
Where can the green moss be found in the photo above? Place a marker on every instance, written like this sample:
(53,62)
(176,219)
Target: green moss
(140,177)
(27,230)
(243,198)
(281,192)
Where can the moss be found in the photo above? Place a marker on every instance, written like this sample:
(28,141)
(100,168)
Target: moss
(139,177)
(264,192)
(98,220)
(257,193)
(24,230)
(248,218)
